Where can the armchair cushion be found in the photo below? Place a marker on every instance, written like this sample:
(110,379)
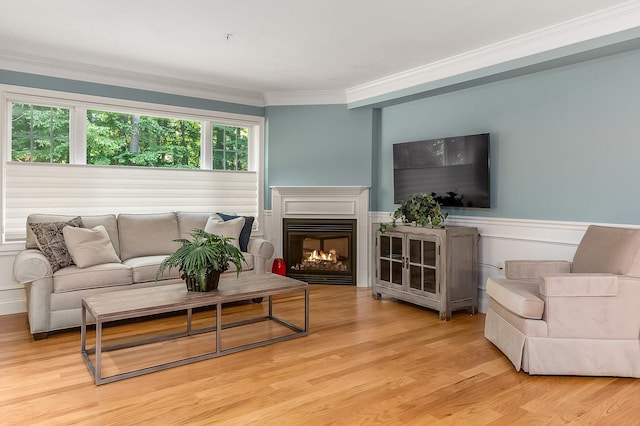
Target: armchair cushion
(605,249)
(518,296)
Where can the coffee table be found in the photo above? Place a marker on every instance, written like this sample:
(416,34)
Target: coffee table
(136,303)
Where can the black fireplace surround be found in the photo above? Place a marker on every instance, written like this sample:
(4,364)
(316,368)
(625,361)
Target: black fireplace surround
(320,251)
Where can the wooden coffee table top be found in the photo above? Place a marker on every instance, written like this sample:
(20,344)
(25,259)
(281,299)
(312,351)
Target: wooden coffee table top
(151,300)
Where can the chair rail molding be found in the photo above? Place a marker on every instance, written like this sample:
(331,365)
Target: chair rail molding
(504,239)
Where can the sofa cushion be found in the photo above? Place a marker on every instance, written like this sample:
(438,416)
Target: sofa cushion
(51,241)
(88,221)
(89,247)
(145,269)
(245,234)
(187,221)
(229,229)
(147,234)
(73,278)
(518,296)
(605,249)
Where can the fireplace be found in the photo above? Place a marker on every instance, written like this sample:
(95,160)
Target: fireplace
(320,251)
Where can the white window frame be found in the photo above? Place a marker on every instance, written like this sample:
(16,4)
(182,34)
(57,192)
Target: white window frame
(78,104)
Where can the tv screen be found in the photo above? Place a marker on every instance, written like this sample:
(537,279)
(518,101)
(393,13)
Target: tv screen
(454,170)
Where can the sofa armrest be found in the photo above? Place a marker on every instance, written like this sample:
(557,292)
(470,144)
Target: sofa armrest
(31,265)
(524,269)
(261,250)
(579,285)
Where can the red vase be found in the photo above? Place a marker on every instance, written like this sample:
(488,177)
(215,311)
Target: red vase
(279,266)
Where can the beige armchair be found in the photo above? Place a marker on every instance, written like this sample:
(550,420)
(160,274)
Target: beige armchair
(572,318)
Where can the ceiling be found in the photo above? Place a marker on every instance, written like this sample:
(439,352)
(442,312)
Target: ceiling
(259,47)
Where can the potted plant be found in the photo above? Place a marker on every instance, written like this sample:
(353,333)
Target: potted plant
(421,209)
(202,259)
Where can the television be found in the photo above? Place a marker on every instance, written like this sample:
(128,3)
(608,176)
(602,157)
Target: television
(455,170)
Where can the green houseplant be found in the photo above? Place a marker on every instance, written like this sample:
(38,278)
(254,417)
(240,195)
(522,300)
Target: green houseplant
(421,209)
(202,259)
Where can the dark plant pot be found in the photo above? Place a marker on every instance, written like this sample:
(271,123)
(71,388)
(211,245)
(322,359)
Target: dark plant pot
(213,279)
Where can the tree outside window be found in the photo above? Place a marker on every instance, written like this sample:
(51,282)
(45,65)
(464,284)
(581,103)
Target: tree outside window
(137,140)
(39,134)
(230,148)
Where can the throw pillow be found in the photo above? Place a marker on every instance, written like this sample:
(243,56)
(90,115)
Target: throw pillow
(51,241)
(230,228)
(89,247)
(245,234)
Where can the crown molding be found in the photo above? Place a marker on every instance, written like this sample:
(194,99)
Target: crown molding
(50,67)
(592,26)
(310,97)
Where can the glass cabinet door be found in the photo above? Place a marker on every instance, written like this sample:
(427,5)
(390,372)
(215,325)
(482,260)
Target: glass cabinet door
(422,265)
(390,259)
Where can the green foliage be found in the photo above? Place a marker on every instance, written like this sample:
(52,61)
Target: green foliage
(132,140)
(39,134)
(202,254)
(230,148)
(422,209)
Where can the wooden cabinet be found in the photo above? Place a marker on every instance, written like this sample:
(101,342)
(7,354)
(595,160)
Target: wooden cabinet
(432,267)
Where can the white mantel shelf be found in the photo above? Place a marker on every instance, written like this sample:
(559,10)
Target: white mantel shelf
(324,202)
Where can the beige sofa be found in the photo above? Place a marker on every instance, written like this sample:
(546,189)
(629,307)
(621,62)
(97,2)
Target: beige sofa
(572,318)
(140,241)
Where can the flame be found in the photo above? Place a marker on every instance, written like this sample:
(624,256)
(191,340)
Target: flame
(321,255)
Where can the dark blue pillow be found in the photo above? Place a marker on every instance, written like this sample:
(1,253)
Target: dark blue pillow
(245,234)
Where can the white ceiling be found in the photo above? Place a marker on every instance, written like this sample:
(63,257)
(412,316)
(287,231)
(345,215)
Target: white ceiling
(277,46)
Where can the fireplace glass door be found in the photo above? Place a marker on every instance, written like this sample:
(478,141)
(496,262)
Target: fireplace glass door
(320,251)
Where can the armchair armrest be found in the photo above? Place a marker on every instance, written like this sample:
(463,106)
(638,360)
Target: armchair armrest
(591,306)
(523,269)
(579,285)
(31,265)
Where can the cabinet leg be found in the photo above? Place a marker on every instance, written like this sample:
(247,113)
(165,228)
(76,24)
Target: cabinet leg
(445,315)
(377,296)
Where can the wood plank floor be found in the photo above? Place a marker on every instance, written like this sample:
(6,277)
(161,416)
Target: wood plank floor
(365,362)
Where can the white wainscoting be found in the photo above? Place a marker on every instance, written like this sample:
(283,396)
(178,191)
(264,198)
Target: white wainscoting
(508,239)
(500,240)
(12,296)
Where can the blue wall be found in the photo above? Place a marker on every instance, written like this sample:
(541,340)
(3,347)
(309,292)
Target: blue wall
(565,142)
(318,145)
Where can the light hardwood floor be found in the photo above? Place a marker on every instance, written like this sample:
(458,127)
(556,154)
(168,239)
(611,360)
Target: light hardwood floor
(365,362)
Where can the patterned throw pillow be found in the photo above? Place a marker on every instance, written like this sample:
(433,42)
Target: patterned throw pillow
(51,241)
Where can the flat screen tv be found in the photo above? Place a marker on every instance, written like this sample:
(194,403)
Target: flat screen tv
(455,170)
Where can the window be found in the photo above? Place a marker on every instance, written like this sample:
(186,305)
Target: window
(86,155)
(39,133)
(139,140)
(230,148)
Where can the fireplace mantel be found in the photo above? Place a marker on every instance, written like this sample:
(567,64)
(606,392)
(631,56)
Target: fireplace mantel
(324,202)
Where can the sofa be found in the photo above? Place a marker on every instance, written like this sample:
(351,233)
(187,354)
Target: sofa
(572,318)
(69,257)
